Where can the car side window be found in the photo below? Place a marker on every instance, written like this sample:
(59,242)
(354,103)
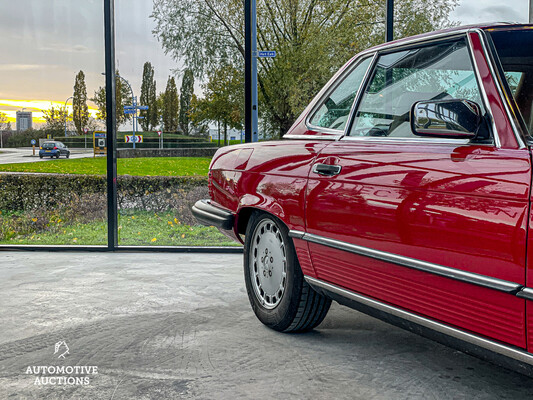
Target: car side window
(436,72)
(335,109)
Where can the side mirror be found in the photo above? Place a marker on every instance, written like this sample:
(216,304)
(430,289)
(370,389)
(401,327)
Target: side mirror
(454,119)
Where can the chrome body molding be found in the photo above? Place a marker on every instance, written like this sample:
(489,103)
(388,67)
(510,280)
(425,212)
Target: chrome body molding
(436,269)
(296,234)
(410,140)
(525,293)
(357,96)
(508,351)
(313,137)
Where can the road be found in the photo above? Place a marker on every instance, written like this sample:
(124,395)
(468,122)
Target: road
(24,154)
(179,326)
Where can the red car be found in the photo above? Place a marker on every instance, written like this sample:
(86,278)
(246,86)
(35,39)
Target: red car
(403,190)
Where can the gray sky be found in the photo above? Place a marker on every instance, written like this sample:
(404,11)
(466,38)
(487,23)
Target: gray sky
(46,42)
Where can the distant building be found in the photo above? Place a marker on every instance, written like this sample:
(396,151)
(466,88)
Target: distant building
(24,120)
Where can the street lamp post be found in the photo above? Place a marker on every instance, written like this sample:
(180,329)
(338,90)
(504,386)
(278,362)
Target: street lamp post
(66,113)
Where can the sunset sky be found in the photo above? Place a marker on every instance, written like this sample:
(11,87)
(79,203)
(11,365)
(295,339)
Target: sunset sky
(46,42)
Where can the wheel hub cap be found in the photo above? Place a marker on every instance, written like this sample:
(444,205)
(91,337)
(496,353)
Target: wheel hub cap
(268,264)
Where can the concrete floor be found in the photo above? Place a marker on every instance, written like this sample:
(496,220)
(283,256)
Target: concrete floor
(172,326)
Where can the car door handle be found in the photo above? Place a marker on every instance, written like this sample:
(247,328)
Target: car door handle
(327,170)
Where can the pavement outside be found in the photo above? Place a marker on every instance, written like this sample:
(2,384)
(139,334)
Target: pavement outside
(173,326)
(25,154)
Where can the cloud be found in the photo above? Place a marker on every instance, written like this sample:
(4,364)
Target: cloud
(64,48)
(491,11)
(25,67)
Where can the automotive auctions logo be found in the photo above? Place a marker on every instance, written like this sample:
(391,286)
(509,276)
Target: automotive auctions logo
(62,374)
(61,345)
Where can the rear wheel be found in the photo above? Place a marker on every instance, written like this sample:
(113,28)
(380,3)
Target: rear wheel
(278,293)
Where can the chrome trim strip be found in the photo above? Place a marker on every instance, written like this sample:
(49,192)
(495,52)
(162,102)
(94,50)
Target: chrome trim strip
(359,96)
(312,137)
(296,234)
(495,132)
(505,350)
(436,269)
(516,132)
(332,88)
(397,140)
(525,293)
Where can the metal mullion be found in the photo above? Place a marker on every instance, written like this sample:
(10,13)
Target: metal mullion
(110,78)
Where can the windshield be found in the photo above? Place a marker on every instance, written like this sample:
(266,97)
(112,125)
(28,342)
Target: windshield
(515,50)
(49,145)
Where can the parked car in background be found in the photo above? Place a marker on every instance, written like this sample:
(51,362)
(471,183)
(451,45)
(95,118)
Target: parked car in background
(53,149)
(403,191)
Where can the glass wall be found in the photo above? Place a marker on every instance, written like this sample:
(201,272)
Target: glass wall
(53,130)
(52,187)
(163,161)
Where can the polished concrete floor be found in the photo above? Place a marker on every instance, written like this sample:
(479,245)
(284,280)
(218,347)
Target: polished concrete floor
(172,326)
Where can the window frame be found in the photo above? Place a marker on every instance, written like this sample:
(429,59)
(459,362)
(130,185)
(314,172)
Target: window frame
(348,70)
(521,131)
(409,140)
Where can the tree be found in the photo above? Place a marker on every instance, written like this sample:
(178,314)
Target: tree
(123,97)
(4,124)
(186,93)
(3,121)
(312,38)
(80,111)
(223,101)
(55,118)
(170,106)
(149,98)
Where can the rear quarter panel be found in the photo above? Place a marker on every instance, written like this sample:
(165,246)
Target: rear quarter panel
(269,176)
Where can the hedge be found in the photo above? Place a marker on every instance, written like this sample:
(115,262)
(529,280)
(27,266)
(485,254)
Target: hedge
(27,191)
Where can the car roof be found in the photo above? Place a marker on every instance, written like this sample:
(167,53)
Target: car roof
(451,31)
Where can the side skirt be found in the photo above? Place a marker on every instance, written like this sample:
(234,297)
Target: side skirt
(510,357)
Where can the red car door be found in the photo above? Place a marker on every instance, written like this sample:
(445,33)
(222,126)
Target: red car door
(435,226)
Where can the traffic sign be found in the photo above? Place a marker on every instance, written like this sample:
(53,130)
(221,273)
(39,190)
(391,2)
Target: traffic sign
(129,138)
(158,133)
(128,111)
(267,54)
(33,142)
(129,108)
(144,108)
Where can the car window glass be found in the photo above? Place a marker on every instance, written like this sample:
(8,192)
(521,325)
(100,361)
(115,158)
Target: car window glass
(335,109)
(400,79)
(514,49)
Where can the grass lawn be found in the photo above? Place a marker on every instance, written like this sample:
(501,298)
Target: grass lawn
(136,229)
(146,166)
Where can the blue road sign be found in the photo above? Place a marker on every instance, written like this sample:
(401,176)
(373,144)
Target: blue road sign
(142,107)
(267,54)
(33,142)
(140,117)
(130,111)
(128,107)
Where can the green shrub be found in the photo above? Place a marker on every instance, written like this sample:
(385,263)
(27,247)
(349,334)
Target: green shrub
(33,203)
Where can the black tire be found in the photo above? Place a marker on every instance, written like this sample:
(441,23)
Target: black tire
(68,155)
(299,308)
(40,156)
